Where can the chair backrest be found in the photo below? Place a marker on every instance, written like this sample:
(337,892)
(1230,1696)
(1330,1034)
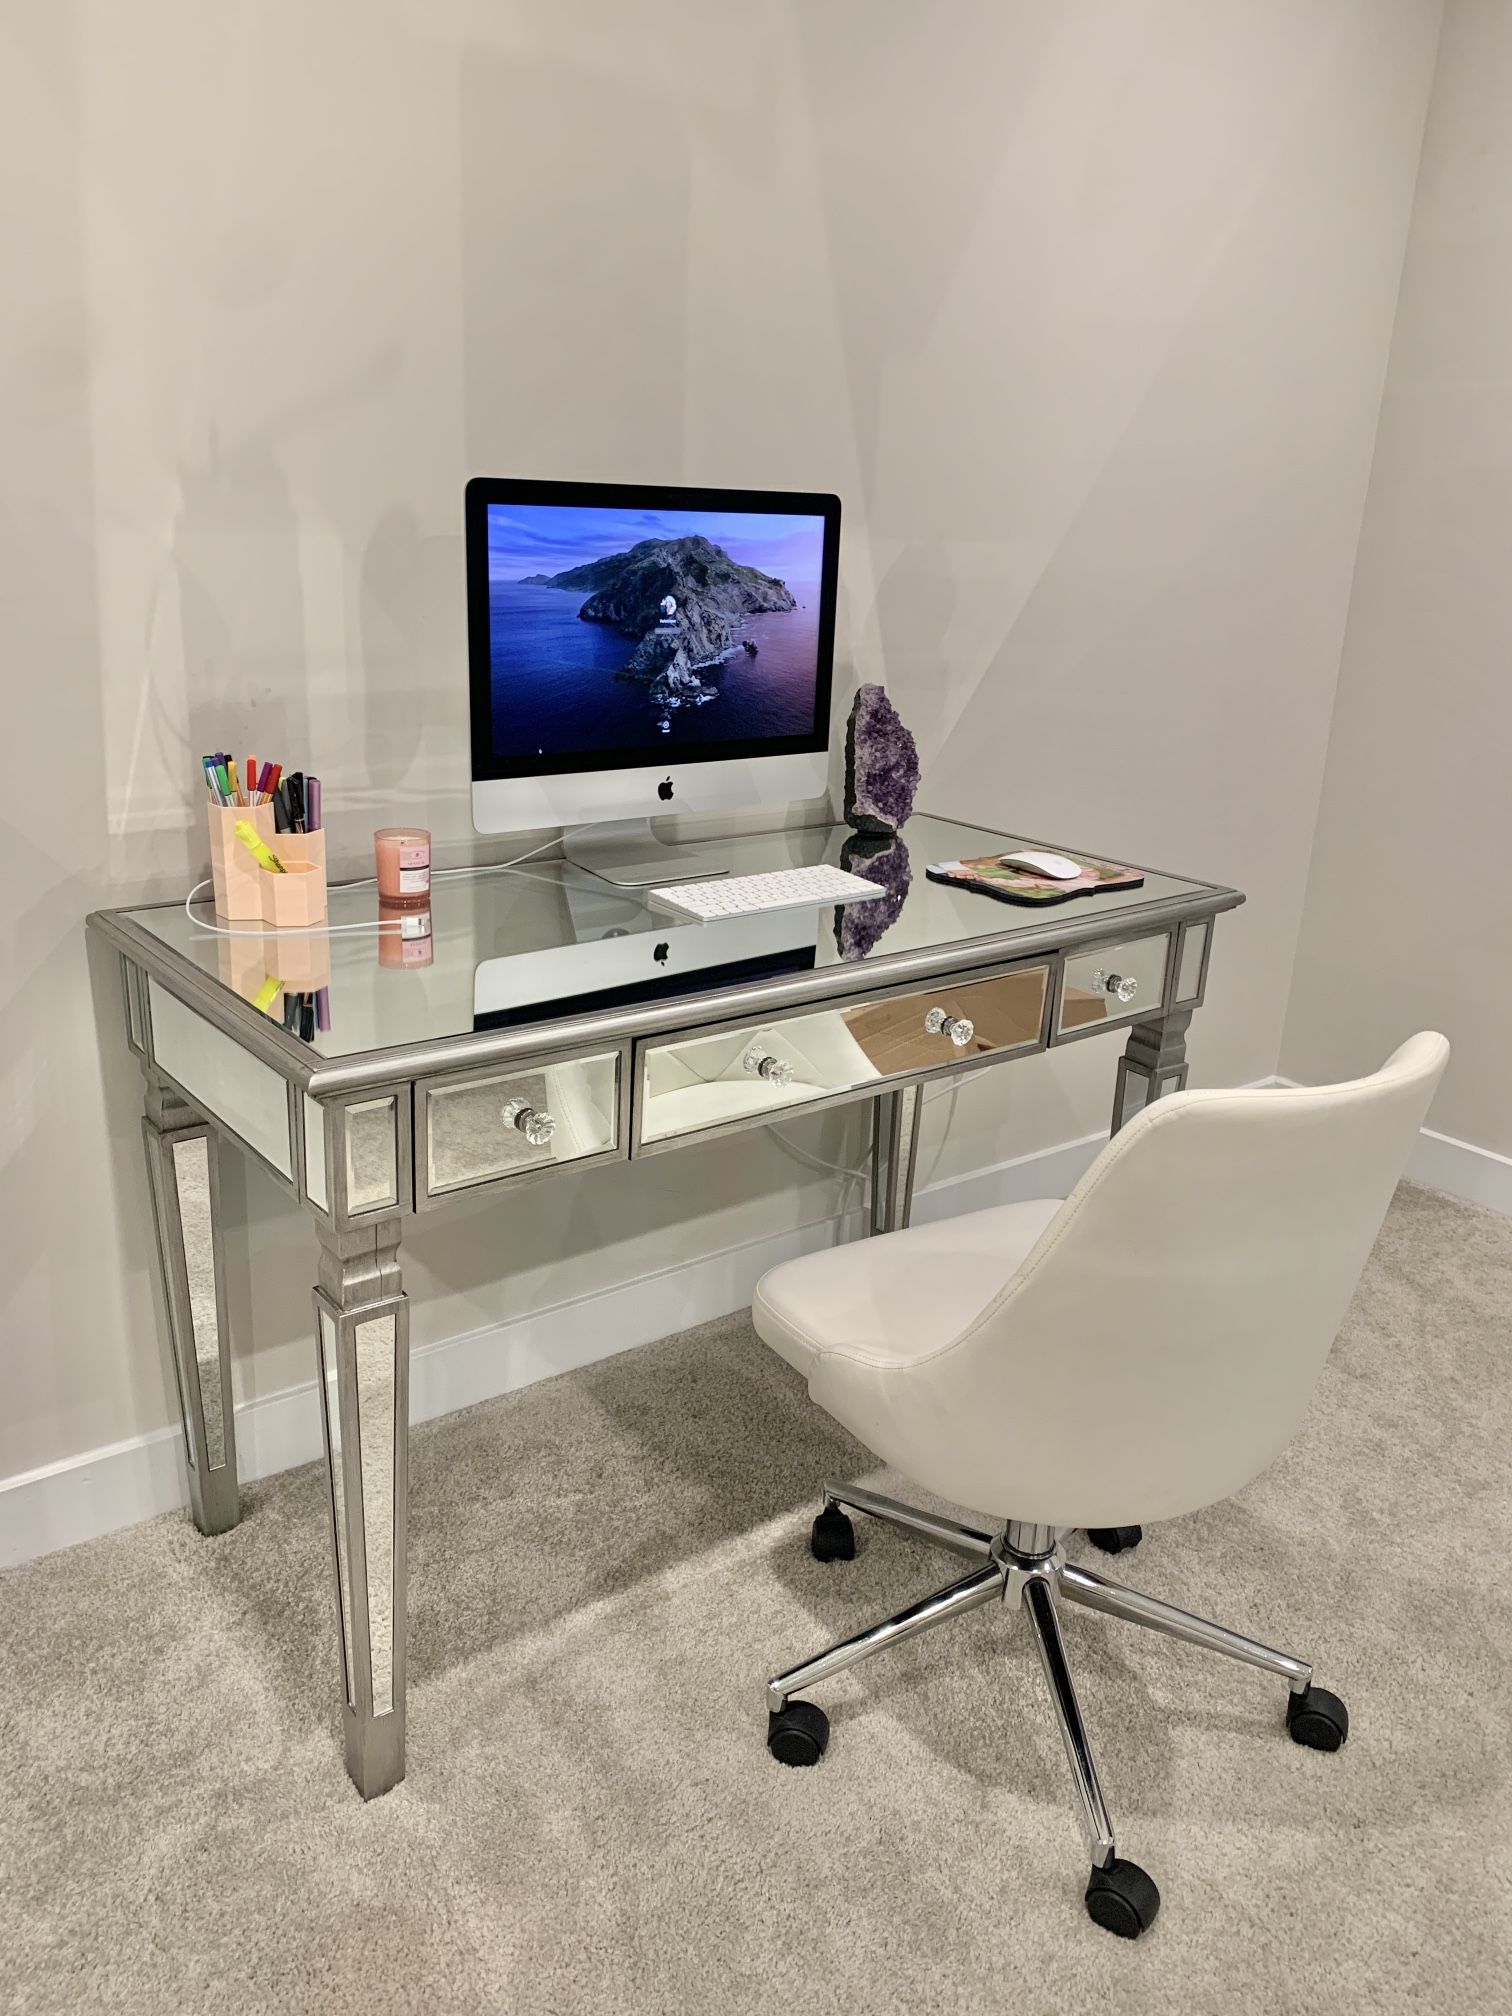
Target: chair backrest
(1172,1320)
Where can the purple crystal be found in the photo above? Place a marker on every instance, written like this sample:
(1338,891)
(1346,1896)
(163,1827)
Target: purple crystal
(879,858)
(881,765)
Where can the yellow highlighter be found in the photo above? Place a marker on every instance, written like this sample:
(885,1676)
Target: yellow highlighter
(258,848)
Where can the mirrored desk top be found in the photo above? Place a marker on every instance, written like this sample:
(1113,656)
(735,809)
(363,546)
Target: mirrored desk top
(511,934)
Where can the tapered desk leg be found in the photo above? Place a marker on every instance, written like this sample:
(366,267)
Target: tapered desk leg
(362,1362)
(895,1155)
(910,1110)
(1154,1062)
(183,1171)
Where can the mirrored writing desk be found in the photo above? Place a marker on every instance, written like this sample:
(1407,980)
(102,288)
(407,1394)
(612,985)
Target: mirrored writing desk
(550,1022)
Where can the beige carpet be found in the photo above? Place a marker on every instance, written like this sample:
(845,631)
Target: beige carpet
(603,1570)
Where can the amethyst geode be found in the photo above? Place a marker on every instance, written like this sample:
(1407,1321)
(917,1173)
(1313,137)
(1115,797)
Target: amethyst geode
(881,765)
(881,858)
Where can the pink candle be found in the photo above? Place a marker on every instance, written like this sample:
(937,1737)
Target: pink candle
(403,865)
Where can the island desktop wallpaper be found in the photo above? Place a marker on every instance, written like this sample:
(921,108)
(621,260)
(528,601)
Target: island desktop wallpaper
(650,631)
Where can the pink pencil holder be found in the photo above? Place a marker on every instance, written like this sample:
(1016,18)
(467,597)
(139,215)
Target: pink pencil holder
(291,847)
(238,879)
(297,898)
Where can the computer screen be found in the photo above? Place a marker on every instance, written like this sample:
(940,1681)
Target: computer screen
(616,627)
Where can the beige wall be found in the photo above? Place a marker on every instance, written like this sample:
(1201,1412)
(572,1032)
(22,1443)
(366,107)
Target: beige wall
(1409,909)
(1083,308)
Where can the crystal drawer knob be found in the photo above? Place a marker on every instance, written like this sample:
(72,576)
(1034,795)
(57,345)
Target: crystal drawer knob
(958,1028)
(537,1128)
(762,1064)
(1119,985)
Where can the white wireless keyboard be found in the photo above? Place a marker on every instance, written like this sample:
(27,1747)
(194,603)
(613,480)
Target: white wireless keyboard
(784,889)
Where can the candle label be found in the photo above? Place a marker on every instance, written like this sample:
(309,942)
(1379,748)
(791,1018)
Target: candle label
(414,869)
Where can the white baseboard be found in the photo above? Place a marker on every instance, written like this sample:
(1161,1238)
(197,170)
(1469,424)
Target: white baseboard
(1459,1168)
(1479,1175)
(103,1489)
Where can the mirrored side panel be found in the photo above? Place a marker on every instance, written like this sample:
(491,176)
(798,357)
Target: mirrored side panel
(1136,1095)
(331,1420)
(136,1021)
(375,1413)
(191,1169)
(372,1154)
(1137,1089)
(1189,971)
(317,1189)
(164,1189)
(248,1097)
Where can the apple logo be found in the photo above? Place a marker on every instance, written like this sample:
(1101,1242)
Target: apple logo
(664,789)
(662,953)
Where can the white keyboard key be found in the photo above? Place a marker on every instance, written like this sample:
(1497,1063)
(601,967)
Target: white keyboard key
(783,889)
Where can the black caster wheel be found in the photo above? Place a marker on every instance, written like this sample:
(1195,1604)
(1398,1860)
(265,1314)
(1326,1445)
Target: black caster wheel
(1122,1899)
(798,1733)
(1115,1539)
(1317,1719)
(833,1537)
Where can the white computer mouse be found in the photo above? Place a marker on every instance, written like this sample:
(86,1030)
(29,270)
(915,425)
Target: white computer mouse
(1056,866)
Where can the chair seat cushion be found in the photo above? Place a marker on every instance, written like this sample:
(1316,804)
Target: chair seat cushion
(894,1299)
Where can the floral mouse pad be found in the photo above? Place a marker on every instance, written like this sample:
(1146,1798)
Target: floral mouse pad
(990,877)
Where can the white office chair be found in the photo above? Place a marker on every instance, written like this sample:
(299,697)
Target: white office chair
(1136,1352)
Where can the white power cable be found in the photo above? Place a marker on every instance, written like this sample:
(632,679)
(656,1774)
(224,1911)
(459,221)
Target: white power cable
(857,1175)
(378,924)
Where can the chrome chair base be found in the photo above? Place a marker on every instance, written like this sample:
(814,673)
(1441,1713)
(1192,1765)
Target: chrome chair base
(1025,1567)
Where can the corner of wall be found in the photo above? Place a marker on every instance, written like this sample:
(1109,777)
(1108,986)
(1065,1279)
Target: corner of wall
(1288,1046)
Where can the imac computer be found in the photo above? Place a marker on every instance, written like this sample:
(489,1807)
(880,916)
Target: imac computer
(636,651)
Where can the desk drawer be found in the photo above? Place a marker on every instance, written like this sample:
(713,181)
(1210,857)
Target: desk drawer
(503,1125)
(739,1074)
(1117,983)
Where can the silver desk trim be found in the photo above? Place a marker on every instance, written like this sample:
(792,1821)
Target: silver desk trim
(479,1048)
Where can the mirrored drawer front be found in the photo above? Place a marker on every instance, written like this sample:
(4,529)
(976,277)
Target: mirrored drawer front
(1119,983)
(483,1129)
(740,1074)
